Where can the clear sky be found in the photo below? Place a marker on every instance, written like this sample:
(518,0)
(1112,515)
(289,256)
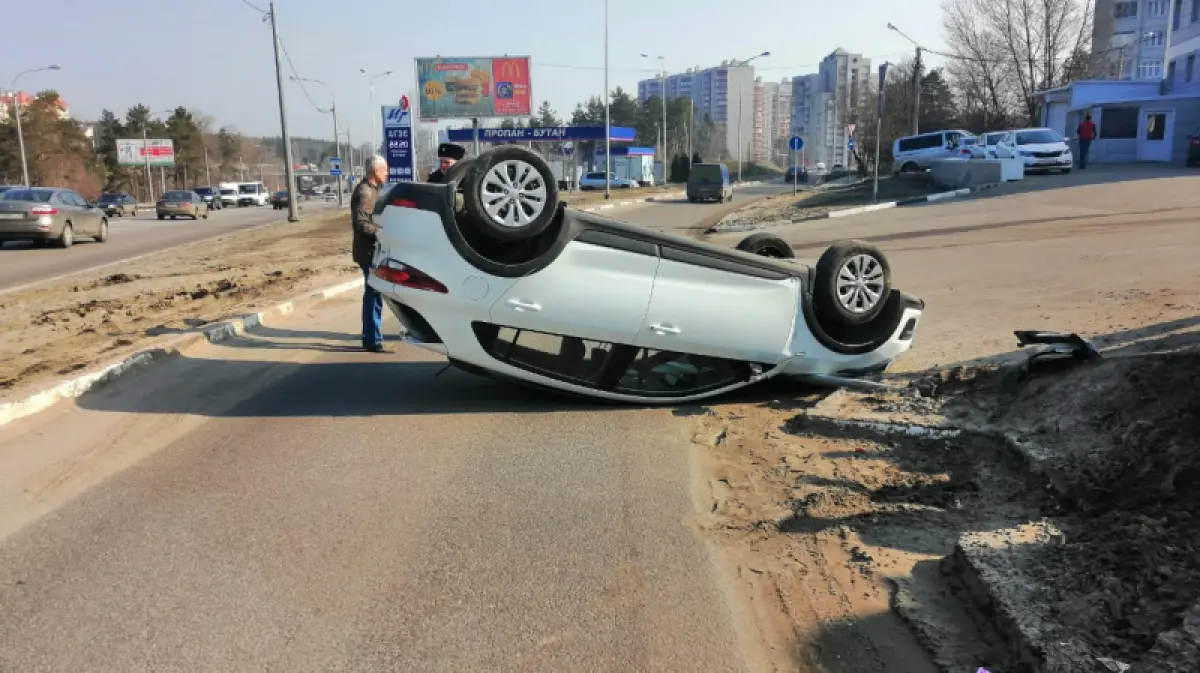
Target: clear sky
(215,55)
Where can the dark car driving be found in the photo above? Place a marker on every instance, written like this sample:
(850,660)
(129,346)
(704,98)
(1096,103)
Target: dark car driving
(210,195)
(279,200)
(796,174)
(117,204)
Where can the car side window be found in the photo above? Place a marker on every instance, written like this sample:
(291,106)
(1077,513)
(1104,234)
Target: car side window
(561,357)
(71,199)
(670,374)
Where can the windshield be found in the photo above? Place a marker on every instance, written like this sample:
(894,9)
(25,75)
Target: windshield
(248,189)
(703,173)
(993,138)
(39,195)
(1037,137)
(228,192)
(110,197)
(203,191)
(177,196)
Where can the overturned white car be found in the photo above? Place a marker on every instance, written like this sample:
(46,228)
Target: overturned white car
(491,270)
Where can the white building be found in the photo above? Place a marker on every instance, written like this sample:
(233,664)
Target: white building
(823,102)
(725,93)
(1129,38)
(1183,48)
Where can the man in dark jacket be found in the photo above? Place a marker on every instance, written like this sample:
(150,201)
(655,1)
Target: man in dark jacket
(448,155)
(362,219)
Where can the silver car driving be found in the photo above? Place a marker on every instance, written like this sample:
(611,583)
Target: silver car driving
(47,215)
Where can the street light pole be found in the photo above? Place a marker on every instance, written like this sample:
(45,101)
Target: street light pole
(288,169)
(607,116)
(916,83)
(741,95)
(17,109)
(371,85)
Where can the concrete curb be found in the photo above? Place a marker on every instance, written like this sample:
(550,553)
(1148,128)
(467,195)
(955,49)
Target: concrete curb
(88,381)
(657,197)
(727,227)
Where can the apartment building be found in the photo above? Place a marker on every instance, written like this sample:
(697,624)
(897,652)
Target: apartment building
(822,103)
(772,120)
(1182,75)
(725,93)
(1129,38)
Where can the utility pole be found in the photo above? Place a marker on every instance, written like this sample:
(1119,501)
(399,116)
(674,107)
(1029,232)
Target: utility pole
(607,116)
(916,93)
(207,176)
(287,140)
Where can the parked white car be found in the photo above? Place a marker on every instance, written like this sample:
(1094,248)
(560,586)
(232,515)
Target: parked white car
(596,181)
(1041,149)
(491,270)
(912,154)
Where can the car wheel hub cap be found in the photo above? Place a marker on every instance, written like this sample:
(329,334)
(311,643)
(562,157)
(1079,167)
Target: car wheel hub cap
(860,284)
(513,193)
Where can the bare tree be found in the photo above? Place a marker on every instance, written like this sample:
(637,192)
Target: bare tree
(1005,52)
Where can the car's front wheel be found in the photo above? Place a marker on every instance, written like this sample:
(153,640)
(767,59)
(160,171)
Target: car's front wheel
(853,280)
(509,193)
(103,235)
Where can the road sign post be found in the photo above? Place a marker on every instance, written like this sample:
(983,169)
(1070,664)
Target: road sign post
(335,166)
(879,126)
(795,144)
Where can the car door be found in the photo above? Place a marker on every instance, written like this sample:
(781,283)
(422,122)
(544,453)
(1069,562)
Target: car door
(595,290)
(717,307)
(81,216)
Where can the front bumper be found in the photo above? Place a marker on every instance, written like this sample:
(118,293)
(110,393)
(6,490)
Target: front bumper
(1044,163)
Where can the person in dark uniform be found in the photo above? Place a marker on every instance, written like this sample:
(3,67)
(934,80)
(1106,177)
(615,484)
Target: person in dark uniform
(448,155)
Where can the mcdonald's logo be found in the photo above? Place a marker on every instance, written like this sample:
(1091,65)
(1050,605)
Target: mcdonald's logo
(510,69)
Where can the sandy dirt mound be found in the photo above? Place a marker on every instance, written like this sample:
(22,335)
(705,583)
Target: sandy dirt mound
(66,326)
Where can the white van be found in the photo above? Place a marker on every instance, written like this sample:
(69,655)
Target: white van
(252,194)
(228,193)
(911,154)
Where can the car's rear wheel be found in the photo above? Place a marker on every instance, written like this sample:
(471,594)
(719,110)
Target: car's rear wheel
(509,193)
(767,245)
(67,239)
(852,282)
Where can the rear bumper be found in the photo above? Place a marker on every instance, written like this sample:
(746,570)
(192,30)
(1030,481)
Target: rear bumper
(178,212)
(26,230)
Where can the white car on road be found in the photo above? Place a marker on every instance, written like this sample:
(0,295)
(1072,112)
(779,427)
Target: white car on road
(1041,149)
(492,271)
(596,181)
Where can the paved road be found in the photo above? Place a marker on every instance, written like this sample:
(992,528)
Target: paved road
(680,217)
(22,265)
(285,502)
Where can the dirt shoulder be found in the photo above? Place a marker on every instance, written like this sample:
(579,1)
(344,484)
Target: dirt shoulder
(60,328)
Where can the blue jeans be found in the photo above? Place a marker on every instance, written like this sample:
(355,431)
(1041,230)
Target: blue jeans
(1084,146)
(372,313)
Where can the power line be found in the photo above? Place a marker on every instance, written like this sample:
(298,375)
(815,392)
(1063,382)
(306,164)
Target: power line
(263,11)
(299,80)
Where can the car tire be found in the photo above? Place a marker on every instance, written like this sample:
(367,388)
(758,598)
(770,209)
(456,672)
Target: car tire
(103,235)
(67,239)
(853,281)
(1065,171)
(767,245)
(162,217)
(509,194)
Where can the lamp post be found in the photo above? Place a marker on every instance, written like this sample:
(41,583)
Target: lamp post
(916,83)
(17,110)
(663,98)
(332,109)
(607,116)
(374,121)
(741,95)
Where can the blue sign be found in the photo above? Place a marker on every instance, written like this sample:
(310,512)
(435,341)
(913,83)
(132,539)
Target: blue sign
(620,134)
(398,143)
(850,144)
(796,144)
(335,166)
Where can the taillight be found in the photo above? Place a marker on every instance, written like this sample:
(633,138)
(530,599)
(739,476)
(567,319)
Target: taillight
(43,210)
(404,203)
(407,276)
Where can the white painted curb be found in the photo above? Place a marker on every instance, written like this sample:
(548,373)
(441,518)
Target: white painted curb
(77,386)
(862,209)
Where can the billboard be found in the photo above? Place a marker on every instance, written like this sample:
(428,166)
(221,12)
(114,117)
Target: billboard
(130,152)
(474,87)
